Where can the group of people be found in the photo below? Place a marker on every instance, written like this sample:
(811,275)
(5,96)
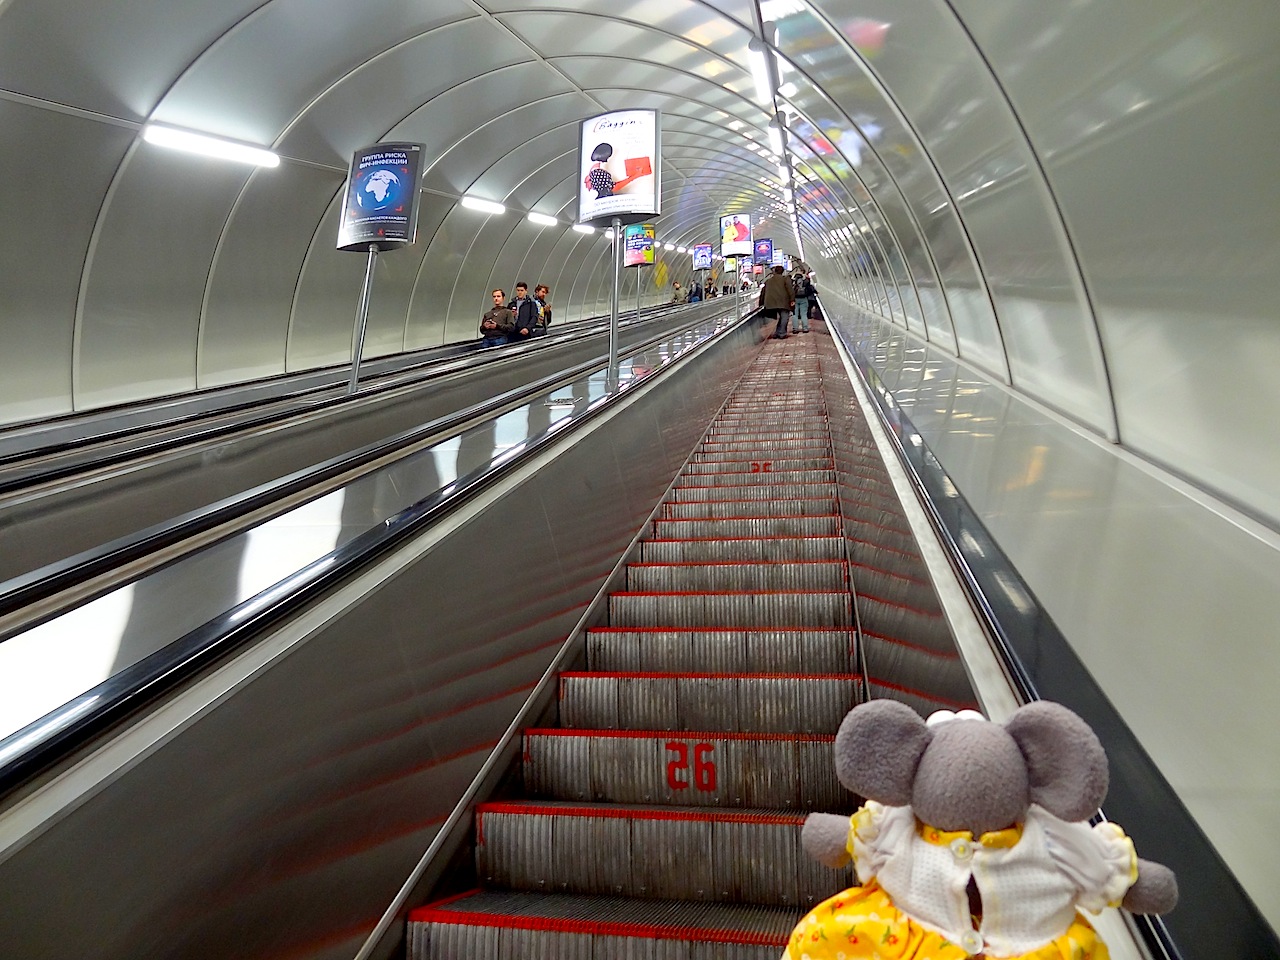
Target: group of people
(523,317)
(782,298)
(694,294)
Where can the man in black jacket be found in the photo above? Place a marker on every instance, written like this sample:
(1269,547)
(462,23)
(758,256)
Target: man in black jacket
(526,312)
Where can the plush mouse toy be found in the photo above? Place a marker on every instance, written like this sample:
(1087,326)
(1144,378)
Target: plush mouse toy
(973,842)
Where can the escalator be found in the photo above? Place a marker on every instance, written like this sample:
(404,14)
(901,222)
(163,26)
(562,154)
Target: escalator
(776,584)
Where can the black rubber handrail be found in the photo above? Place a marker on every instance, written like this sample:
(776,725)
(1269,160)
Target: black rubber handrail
(379,383)
(46,741)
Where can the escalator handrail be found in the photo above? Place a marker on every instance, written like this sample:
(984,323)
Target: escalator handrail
(48,581)
(51,738)
(426,368)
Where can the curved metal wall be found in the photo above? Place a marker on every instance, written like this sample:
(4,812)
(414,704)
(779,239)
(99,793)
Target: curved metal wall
(1075,200)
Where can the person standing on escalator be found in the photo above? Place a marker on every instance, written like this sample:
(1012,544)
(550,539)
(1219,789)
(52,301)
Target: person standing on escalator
(526,311)
(541,295)
(777,300)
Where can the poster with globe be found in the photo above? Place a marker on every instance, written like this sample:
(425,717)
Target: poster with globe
(764,252)
(380,202)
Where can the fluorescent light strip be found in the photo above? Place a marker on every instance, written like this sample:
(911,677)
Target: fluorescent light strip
(486,206)
(542,218)
(207,146)
(583,228)
(760,71)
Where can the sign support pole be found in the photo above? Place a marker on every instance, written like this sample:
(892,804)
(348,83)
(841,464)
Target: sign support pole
(613,304)
(362,319)
(637,294)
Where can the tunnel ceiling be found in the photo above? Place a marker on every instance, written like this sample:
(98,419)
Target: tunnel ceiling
(1074,199)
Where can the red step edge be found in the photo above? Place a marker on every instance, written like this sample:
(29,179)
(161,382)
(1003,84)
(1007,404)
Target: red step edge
(642,675)
(431,914)
(680,734)
(519,808)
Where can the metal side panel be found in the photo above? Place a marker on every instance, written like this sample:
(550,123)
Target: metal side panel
(330,763)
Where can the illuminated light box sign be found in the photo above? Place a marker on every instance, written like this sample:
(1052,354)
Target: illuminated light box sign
(638,246)
(730,264)
(735,235)
(702,256)
(619,164)
(764,252)
(380,201)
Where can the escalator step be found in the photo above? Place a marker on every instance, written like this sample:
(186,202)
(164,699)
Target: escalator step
(726,651)
(920,627)
(773,490)
(521,926)
(738,575)
(738,609)
(754,703)
(743,856)
(695,768)
(742,549)
(823,464)
(766,471)
(703,528)
(737,509)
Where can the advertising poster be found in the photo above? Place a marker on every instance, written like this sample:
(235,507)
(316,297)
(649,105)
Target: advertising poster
(702,256)
(764,252)
(619,163)
(735,235)
(381,197)
(638,246)
(730,264)
(780,259)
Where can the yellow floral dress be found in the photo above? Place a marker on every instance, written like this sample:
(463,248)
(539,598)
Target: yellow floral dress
(1031,878)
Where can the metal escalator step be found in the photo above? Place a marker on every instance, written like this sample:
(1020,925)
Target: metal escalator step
(696,467)
(764,489)
(880,535)
(739,575)
(924,703)
(792,448)
(742,856)
(705,768)
(750,703)
(742,549)
(695,528)
(765,472)
(732,609)
(725,651)
(733,509)
(533,926)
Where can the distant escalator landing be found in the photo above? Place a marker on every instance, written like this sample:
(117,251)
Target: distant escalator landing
(662,818)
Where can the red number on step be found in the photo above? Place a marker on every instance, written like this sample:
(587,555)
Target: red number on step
(704,767)
(681,763)
(761,466)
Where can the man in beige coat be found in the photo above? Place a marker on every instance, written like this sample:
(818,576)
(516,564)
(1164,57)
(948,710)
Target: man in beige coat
(777,299)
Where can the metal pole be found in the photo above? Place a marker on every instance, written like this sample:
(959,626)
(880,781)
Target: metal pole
(362,319)
(613,304)
(638,275)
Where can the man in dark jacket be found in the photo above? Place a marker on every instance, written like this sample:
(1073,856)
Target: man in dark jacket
(497,325)
(526,312)
(777,300)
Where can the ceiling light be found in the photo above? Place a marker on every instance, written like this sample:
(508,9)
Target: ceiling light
(583,228)
(682,249)
(208,146)
(541,218)
(756,54)
(485,206)
(775,138)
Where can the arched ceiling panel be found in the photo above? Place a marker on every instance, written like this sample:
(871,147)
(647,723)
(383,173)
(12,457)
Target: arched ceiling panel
(285,48)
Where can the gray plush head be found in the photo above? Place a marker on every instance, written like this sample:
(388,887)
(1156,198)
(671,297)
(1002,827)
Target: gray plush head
(972,774)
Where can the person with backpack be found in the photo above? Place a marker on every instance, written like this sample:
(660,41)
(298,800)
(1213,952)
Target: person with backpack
(803,290)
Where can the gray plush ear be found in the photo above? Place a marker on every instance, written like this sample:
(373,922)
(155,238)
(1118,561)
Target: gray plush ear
(878,748)
(1066,765)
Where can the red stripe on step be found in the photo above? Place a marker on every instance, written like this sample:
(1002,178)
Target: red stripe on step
(641,675)
(771,537)
(932,614)
(614,813)
(795,516)
(682,735)
(597,927)
(889,573)
(738,563)
(729,593)
(767,631)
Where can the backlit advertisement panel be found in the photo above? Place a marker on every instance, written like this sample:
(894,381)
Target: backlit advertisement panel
(702,256)
(735,235)
(764,252)
(638,246)
(619,163)
(381,197)
(730,264)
